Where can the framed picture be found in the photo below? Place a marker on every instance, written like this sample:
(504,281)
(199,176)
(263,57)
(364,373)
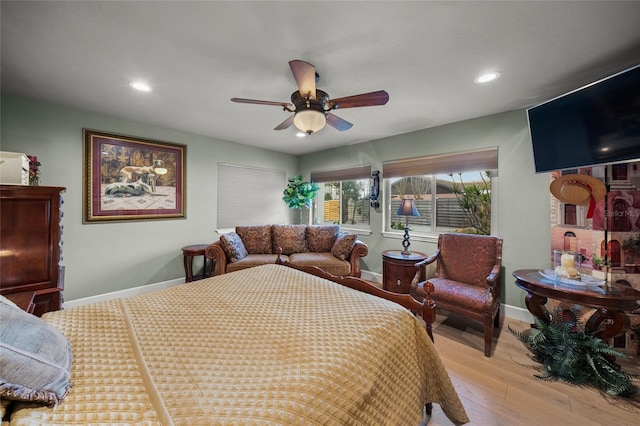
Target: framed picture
(129,178)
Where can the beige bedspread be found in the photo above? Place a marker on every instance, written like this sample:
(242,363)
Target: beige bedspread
(266,345)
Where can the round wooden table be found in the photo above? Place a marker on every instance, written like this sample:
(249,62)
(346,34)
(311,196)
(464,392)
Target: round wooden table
(399,269)
(610,301)
(188,253)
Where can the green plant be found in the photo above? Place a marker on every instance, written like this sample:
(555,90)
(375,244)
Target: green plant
(632,244)
(475,200)
(298,193)
(350,196)
(600,262)
(569,354)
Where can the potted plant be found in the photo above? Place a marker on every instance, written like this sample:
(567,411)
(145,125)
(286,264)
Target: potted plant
(298,194)
(569,354)
(600,266)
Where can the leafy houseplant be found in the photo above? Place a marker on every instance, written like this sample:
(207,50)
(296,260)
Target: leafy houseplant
(298,193)
(569,354)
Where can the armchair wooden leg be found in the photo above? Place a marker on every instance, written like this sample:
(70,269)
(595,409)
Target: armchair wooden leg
(488,337)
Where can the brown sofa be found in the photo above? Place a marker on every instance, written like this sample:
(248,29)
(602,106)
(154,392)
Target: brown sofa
(324,246)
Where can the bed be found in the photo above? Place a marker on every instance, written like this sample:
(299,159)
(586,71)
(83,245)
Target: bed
(270,345)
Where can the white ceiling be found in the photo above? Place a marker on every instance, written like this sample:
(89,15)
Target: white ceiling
(198,55)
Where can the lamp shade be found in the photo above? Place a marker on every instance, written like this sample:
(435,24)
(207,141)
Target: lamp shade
(408,208)
(309,120)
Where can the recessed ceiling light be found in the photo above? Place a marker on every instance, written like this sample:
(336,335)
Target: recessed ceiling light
(485,78)
(141,86)
(301,134)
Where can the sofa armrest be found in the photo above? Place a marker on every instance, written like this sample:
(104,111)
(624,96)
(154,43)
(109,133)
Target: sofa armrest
(215,252)
(359,250)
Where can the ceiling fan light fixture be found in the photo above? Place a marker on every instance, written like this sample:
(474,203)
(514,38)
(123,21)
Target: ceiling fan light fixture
(309,120)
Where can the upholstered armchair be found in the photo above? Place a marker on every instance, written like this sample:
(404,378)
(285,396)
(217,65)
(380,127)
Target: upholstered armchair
(467,279)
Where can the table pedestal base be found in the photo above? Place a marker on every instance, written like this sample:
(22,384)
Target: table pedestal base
(618,320)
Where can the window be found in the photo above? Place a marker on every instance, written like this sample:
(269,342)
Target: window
(343,197)
(452,192)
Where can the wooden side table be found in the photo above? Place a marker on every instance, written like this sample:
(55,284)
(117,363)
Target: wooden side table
(188,253)
(398,270)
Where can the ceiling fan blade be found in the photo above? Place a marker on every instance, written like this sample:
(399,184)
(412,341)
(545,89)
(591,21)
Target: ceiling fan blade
(338,123)
(284,105)
(366,99)
(285,124)
(305,75)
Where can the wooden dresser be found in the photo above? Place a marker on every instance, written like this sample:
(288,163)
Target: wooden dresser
(31,244)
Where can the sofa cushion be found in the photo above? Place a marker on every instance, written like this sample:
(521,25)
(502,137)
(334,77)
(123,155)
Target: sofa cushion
(343,245)
(254,260)
(320,238)
(256,239)
(325,261)
(233,246)
(292,238)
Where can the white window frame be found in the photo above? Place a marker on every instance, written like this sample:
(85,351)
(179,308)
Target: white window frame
(461,162)
(360,172)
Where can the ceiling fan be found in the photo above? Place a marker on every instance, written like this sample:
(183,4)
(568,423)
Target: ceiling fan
(312,107)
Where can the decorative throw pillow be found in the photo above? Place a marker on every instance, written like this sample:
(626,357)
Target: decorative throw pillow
(233,246)
(320,238)
(256,239)
(343,245)
(292,238)
(35,358)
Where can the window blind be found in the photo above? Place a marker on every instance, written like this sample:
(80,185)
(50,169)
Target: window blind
(485,159)
(250,196)
(350,173)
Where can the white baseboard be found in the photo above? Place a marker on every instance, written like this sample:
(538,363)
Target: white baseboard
(122,293)
(517,313)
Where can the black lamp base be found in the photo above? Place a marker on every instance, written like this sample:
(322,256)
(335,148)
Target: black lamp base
(406,243)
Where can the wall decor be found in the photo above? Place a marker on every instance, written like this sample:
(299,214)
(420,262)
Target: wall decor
(129,178)
(375,189)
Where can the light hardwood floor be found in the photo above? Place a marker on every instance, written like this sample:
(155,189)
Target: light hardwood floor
(501,390)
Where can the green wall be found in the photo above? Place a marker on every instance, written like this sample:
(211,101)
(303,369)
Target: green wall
(105,257)
(522,211)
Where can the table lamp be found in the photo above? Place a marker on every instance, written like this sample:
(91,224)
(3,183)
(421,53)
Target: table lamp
(407,209)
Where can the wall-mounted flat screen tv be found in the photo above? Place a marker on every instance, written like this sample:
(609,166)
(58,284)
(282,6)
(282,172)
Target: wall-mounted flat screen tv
(594,125)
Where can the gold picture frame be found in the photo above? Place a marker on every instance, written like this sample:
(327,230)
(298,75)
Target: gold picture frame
(129,178)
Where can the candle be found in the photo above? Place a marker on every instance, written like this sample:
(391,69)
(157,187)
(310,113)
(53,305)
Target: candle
(567,260)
